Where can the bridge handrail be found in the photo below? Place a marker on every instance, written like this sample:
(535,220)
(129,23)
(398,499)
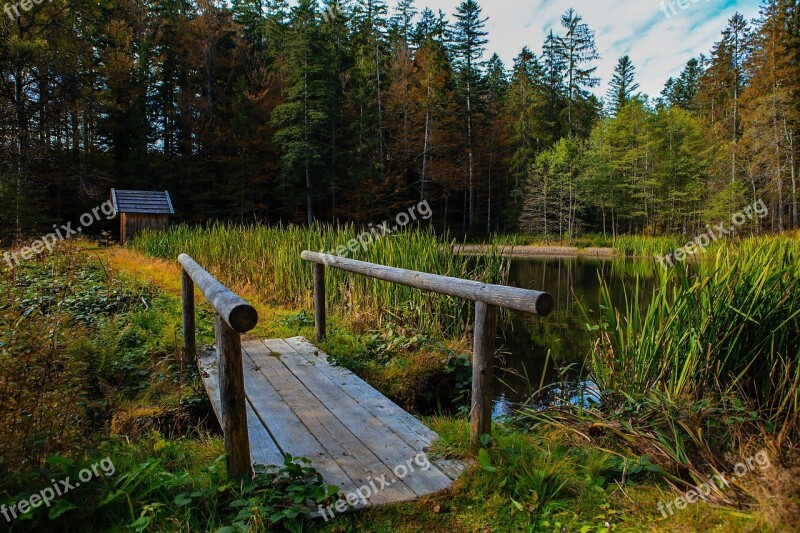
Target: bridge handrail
(233,316)
(237,313)
(530,301)
(485,296)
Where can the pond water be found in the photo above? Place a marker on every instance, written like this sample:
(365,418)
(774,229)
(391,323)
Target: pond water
(524,341)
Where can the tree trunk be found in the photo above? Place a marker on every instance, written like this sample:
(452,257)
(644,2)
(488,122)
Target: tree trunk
(22,147)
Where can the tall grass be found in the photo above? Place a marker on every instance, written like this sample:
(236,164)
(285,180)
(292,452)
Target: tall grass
(266,260)
(707,369)
(726,324)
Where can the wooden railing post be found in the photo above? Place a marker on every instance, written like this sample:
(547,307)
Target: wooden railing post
(232,400)
(482,373)
(187,296)
(233,316)
(319,302)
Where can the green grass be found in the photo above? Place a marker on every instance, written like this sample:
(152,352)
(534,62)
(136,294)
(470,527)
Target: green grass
(544,478)
(90,367)
(732,325)
(266,260)
(705,375)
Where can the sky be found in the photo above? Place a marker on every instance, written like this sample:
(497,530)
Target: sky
(659,42)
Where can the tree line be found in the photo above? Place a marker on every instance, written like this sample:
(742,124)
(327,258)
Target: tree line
(349,110)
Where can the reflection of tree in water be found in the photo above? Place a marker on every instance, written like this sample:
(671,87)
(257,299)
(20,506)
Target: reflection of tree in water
(524,341)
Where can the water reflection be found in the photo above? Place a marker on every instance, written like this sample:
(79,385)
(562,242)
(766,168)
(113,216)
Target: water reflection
(524,342)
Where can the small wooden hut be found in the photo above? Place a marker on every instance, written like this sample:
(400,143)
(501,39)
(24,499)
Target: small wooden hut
(138,210)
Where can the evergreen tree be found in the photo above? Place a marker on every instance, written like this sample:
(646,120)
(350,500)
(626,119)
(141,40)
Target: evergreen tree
(526,108)
(336,38)
(720,89)
(553,198)
(302,118)
(365,95)
(577,50)
(468,46)
(402,21)
(623,84)
(770,113)
(434,124)
(682,92)
(554,75)
(494,133)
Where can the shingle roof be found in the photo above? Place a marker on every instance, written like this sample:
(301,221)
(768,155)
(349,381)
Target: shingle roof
(146,202)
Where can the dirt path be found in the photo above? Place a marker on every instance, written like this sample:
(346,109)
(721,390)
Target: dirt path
(535,251)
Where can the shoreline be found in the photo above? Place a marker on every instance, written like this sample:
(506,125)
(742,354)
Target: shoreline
(513,251)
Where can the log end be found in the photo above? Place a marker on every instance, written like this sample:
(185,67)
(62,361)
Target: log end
(544,304)
(243,318)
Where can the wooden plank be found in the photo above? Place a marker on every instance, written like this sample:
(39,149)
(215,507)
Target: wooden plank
(366,427)
(349,452)
(291,435)
(263,449)
(381,440)
(515,298)
(400,422)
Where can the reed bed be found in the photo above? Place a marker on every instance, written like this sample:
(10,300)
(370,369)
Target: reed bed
(266,260)
(704,369)
(729,322)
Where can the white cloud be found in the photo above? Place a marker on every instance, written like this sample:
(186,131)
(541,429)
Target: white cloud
(659,46)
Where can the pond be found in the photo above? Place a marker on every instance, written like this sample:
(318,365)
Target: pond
(524,341)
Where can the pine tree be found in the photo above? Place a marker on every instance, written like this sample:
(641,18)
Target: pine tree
(494,133)
(302,119)
(682,155)
(623,84)
(434,112)
(402,21)
(336,39)
(468,46)
(683,91)
(400,75)
(720,89)
(526,108)
(577,50)
(552,197)
(554,75)
(365,97)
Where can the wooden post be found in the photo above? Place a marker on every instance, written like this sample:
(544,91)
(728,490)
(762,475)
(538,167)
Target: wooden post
(187,293)
(233,401)
(482,373)
(319,302)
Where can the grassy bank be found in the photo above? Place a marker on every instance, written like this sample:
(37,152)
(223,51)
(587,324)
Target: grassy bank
(639,246)
(91,370)
(113,317)
(706,375)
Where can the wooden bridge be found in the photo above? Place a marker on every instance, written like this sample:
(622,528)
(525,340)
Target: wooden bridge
(282,396)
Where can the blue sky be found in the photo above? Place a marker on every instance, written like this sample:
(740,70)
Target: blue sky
(658,45)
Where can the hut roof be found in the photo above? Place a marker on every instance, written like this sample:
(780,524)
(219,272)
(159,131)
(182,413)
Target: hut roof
(145,202)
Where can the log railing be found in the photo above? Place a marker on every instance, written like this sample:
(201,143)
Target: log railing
(486,297)
(233,316)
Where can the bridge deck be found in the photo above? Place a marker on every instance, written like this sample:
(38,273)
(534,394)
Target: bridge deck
(299,404)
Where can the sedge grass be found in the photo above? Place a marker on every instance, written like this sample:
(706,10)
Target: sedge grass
(266,260)
(708,369)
